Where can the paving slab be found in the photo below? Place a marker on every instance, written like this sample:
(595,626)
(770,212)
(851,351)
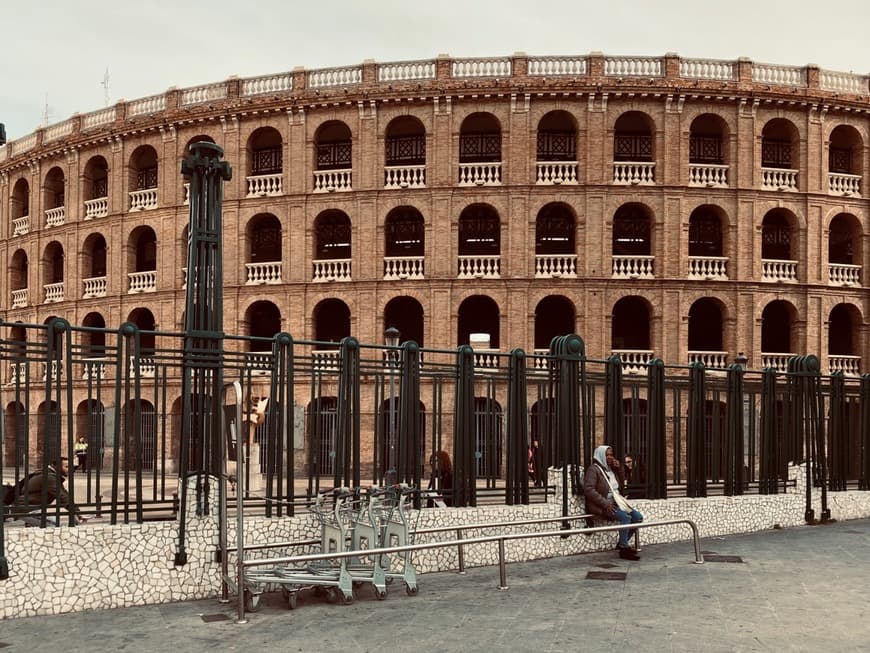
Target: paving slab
(800,589)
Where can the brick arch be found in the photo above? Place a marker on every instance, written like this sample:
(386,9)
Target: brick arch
(725,302)
(692,110)
(500,111)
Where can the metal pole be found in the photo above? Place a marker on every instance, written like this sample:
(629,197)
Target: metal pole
(502,572)
(461,551)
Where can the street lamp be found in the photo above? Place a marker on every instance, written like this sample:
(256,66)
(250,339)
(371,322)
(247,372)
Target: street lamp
(740,360)
(391,340)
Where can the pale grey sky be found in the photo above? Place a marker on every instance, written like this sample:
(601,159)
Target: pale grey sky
(59,50)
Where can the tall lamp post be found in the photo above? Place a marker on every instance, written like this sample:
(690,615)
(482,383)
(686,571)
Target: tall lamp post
(391,340)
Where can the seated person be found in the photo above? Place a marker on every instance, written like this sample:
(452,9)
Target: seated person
(28,505)
(601,488)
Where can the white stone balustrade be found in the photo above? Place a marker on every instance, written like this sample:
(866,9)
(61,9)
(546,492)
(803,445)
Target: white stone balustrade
(54,368)
(714,360)
(21,226)
(479,267)
(779,362)
(326,360)
(146,366)
(480,174)
(22,145)
(54,132)
(633,267)
(553,66)
(96,208)
(633,66)
(330,181)
(403,267)
(708,175)
(267,84)
(840,183)
(265,185)
(19,298)
(142,282)
(335,269)
(146,105)
(143,200)
(708,267)
(183,278)
(627,173)
(98,118)
(17,373)
(482,67)
(258,363)
(205,93)
(634,361)
(780,75)
(779,271)
(555,266)
(335,77)
(848,365)
(843,274)
(539,360)
(94,369)
(403,71)
(93,287)
(53,292)
(404,177)
(55,217)
(708,69)
(556,173)
(830,80)
(267,272)
(779,179)
(486,359)
(186,194)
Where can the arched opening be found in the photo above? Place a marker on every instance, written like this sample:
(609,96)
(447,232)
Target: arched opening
(845,155)
(480,139)
(707,138)
(777,320)
(140,435)
(557,137)
(90,422)
(94,266)
(96,182)
(630,325)
(705,332)
(265,152)
(18,278)
(404,244)
(52,272)
(554,316)
(94,335)
(405,142)
(262,321)
(332,235)
(331,323)
(631,231)
(488,438)
(780,145)
(555,251)
(776,236)
(478,314)
(143,168)
(19,203)
(479,242)
(15,429)
(333,146)
(142,260)
(144,321)
(406,315)
(705,232)
(322,422)
(841,330)
(53,197)
(264,250)
(633,138)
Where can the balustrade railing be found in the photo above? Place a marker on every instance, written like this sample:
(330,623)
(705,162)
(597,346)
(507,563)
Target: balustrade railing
(555,266)
(555,173)
(330,181)
(404,177)
(708,69)
(145,364)
(19,298)
(634,361)
(779,271)
(53,292)
(21,226)
(55,217)
(715,360)
(480,174)
(708,175)
(186,194)
(22,145)
(259,364)
(267,84)
(93,287)
(634,173)
(61,129)
(98,118)
(708,267)
(146,105)
(780,75)
(403,71)
(335,269)
(844,274)
(848,365)
(335,77)
(779,179)
(553,66)
(633,266)
(779,362)
(143,200)
(142,282)
(93,369)
(830,80)
(482,67)
(183,278)
(840,183)
(205,93)
(266,272)
(403,267)
(53,368)
(265,185)
(96,208)
(486,358)
(633,66)
(17,373)
(326,360)
(479,267)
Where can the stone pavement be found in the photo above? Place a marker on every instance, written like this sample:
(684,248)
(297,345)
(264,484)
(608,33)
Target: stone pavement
(800,589)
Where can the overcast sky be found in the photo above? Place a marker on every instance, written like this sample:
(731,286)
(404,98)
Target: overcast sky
(57,51)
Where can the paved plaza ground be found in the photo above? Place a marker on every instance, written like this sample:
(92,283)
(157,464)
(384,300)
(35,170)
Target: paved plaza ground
(801,589)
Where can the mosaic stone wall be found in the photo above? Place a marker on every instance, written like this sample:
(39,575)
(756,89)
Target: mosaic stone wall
(99,566)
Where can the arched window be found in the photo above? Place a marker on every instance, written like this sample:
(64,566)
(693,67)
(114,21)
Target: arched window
(406,315)
(554,316)
(478,314)
(404,244)
(630,325)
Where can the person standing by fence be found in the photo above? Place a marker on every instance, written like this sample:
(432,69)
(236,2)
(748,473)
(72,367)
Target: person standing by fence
(81,452)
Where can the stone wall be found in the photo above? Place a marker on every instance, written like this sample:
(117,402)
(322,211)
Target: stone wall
(101,566)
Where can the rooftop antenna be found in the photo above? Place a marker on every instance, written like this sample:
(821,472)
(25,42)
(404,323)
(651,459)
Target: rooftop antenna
(105,85)
(46,114)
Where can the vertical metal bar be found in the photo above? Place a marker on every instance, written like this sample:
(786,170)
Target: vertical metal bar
(502,571)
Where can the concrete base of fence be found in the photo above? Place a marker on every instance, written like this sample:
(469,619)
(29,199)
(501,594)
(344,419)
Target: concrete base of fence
(100,566)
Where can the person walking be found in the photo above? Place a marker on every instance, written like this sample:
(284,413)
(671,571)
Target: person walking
(28,506)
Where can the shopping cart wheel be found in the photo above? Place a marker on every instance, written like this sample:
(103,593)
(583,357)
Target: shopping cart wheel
(331,595)
(381,594)
(389,580)
(348,599)
(291,600)
(411,591)
(252,601)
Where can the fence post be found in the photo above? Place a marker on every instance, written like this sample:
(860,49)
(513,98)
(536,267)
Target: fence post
(568,352)
(696,442)
(464,492)
(657,480)
(771,466)
(838,443)
(614,414)
(864,443)
(409,437)
(734,433)
(347,442)
(517,477)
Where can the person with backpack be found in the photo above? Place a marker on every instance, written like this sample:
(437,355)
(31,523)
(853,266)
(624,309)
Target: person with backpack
(28,505)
